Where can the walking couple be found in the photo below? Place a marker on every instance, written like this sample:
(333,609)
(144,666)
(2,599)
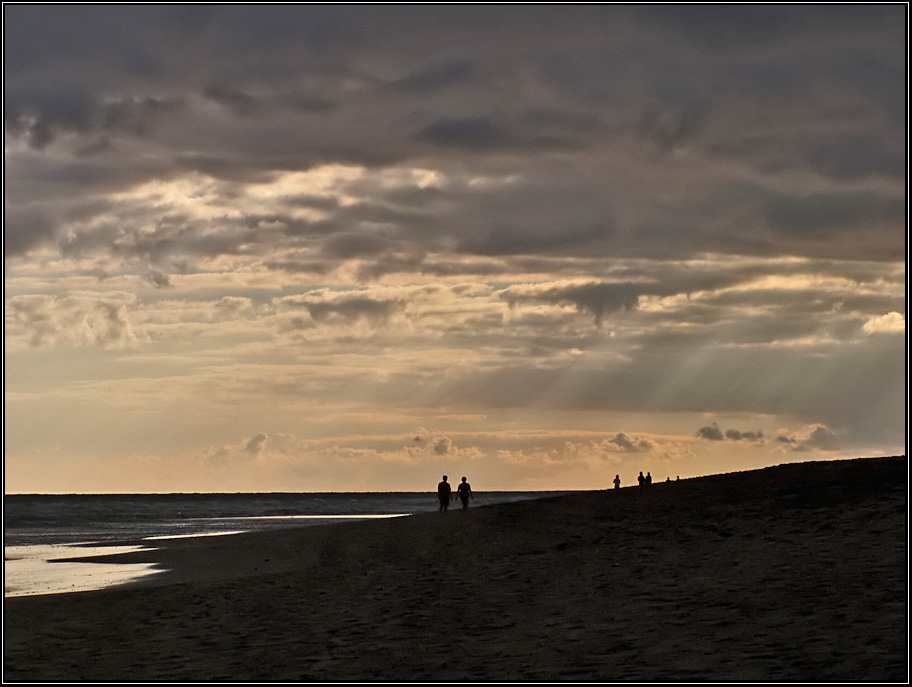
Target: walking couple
(445,493)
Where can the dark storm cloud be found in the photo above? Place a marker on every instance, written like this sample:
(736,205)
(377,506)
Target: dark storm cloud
(136,115)
(449,268)
(231,168)
(376,254)
(532,217)
(711,432)
(557,100)
(25,229)
(547,119)
(78,181)
(820,437)
(351,245)
(52,37)
(631,444)
(377,213)
(299,267)
(245,104)
(822,215)
(714,433)
(442,446)
(738,435)
(257,444)
(237,101)
(325,307)
(40,115)
(745,27)
(375,311)
(434,77)
(478,134)
(159,279)
(858,156)
(302,102)
(758,219)
(664,129)
(597,299)
(823,438)
(485,135)
(283,224)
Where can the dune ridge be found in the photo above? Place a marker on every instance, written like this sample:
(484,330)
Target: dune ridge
(795,572)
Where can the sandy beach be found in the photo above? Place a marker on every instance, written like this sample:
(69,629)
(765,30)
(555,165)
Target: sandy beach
(791,573)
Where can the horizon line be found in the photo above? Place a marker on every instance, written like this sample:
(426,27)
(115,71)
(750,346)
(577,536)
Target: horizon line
(528,491)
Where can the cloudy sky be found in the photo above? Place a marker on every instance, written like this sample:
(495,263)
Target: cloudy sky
(330,248)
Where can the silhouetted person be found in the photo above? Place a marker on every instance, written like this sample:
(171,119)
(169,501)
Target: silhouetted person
(465,493)
(641,479)
(443,493)
(648,479)
(617,481)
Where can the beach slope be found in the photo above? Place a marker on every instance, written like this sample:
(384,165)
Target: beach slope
(791,573)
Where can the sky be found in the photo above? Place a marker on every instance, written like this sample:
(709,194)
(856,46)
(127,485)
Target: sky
(352,248)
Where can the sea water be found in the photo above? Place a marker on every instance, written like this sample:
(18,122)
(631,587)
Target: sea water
(41,529)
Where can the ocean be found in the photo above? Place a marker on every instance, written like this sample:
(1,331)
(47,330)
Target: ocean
(40,529)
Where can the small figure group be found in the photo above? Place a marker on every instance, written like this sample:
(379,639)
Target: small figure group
(445,494)
(644,480)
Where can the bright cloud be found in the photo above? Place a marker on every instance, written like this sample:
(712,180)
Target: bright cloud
(892,322)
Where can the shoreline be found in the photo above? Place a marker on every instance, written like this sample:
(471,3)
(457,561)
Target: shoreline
(75,567)
(795,572)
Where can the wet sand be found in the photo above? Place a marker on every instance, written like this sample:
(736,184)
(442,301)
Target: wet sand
(792,573)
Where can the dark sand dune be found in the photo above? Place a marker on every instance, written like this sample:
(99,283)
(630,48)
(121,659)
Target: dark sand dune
(792,573)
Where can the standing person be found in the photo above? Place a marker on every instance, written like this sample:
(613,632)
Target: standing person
(465,493)
(443,493)
(648,479)
(641,479)
(617,481)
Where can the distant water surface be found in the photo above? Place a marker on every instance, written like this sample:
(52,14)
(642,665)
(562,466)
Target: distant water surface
(39,528)
(70,518)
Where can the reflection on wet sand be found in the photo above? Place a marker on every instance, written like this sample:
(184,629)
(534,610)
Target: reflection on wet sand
(54,569)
